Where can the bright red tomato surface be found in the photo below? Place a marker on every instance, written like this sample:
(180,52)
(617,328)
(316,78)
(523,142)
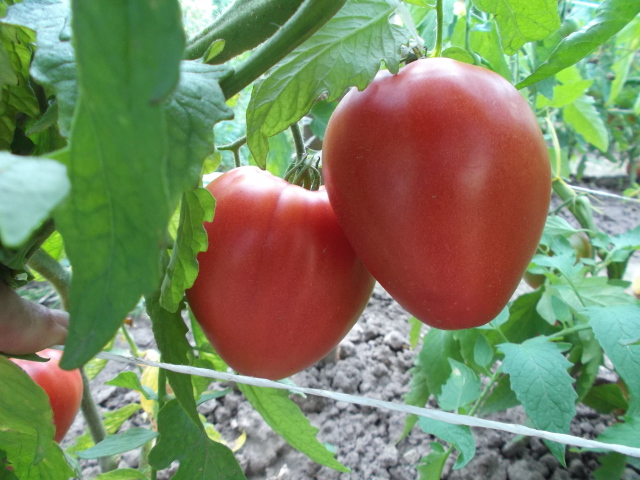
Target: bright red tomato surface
(280,285)
(440,178)
(64,388)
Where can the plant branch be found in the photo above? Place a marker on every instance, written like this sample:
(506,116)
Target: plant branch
(49,268)
(298,140)
(439,28)
(311,15)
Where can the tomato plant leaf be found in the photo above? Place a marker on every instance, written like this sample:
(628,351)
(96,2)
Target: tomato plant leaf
(461,389)
(123,442)
(122,474)
(115,219)
(583,117)
(594,291)
(414,333)
(611,17)
(486,42)
(286,419)
(623,433)
(431,466)
(54,63)
(26,427)
(131,381)
(437,347)
(612,465)
(606,398)
(483,352)
(538,374)
(522,21)
(501,398)
(342,50)
(628,42)
(197,207)
(613,325)
(418,394)
(459,436)
(200,457)
(30,188)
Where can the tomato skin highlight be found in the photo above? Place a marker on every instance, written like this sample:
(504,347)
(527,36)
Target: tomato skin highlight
(63,387)
(280,285)
(440,178)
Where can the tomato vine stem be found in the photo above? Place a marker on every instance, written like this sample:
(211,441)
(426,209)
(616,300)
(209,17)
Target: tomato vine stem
(234,147)
(439,29)
(298,140)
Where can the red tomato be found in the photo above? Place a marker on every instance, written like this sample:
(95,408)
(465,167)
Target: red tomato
(64,388)
(280,285)
(440,178)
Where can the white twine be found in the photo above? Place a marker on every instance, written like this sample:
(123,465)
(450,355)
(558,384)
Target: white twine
(434,414)
(605,194)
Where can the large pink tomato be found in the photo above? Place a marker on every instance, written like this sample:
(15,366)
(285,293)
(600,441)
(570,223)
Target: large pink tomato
(280,285)
(440,178)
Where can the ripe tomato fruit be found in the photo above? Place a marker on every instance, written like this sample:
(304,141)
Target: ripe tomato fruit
(440,178)
(280,285)
(580,243)
(64,388)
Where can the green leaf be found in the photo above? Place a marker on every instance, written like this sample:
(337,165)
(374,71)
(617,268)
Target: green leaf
(583,117)
(486,42)
(216,48)
(131,381)
(182,440)
(538,374)
(431,466)
(281,152)
(483,352)
(30,188)
(522,21)
(169,331)
(611,17)
(26,427)
(197,207)
(320,113)
(501,398)
(122,474)
(459,54)
(556,225)
(612,466)
(623,433)
(414,334)
(594,291)
(54,63)
(564,94)
(114,221)
(286,419)
(457,435)
(438,346)
(418,394)
(342,49)
(524,321)
(462,388)
(606,398)
(613,326)
(627,43)
(123,442)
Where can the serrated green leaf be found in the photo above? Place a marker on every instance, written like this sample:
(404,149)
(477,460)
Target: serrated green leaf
(200,457)
(431,466)
(457,435)
(123,442)
(522,21)
(418,394)
(483,351)
(30,188)
(414,333)
(583,117)
(501,398)
(612,325)
(214,49)
(114,222)
(26,427)
(539,378)
(594,291)
(461,389)
(623,433)
(556,225)
(437,347)
(611,467)
(459,54)
(197,207)
(611,17)
(486,42)
(564,94)
(281,152)
(54,63)
(342,49)
(286,419)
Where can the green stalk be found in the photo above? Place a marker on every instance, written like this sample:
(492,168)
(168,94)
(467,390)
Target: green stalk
(439,28)
(298,141)
(56,274)
(312,15)
(243,26)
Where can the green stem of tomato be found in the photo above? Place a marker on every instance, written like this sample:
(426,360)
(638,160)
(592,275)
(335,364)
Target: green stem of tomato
(298,141)
(439,28)
(92,417)
(485,392)
(311,15)
(234,147)
(56,274)
(563,333)
(130,341)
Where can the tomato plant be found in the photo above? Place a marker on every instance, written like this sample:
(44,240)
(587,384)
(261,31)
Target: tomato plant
(582,246)
(448,162)
(276,253)
(63,387)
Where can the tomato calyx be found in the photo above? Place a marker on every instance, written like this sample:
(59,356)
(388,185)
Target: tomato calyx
(305,172)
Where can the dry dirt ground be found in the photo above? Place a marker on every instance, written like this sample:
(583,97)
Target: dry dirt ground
(373,361)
